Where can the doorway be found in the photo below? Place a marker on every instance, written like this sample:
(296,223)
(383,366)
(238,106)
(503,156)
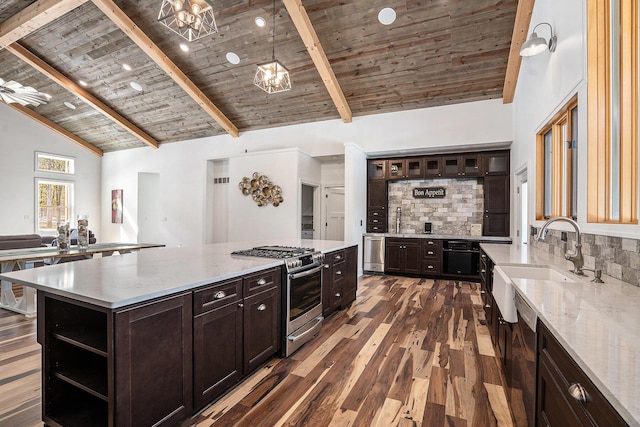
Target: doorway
(334,207)
(307,228)
(522,192)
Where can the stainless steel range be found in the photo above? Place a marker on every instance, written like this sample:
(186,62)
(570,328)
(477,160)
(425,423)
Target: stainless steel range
(301,293)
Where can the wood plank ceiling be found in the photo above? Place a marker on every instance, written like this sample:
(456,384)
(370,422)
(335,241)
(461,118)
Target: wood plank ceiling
(437,52)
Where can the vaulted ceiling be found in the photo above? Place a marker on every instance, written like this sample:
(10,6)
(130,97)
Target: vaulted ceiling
(343,64)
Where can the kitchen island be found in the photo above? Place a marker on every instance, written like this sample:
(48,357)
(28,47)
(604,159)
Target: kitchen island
(595,324)
(120,334)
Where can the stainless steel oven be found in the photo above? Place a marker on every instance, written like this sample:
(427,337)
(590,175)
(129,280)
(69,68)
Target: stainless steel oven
(302,302)
(301,292)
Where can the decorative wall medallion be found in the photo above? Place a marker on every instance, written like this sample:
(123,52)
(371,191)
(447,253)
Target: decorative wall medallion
(261,190)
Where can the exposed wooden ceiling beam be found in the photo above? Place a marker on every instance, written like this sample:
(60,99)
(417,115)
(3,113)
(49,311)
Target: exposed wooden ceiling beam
(119,18)
(301,20)
(51,125)
(33,17)
(520,29)
(46,69)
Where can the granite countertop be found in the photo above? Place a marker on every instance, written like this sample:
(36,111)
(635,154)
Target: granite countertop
(596,323)
(122,280)
(442,236)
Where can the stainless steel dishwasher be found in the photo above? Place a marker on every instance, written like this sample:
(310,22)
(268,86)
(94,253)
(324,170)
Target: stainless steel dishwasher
(373,257)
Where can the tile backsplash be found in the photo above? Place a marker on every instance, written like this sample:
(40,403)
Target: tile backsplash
(462,206)
(617,257)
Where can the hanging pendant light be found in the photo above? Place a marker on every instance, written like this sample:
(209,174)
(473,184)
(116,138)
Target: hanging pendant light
(191,19)
(272,76)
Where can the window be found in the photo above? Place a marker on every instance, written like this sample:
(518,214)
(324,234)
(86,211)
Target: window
(557,154)
(55,204)
(54,163)
(612,85)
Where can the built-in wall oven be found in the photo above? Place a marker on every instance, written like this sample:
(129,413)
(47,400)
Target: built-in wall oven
(301,292)
(461,258)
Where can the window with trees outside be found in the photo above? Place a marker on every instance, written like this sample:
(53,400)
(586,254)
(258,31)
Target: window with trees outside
(53,163)
(55,204)
(556,160)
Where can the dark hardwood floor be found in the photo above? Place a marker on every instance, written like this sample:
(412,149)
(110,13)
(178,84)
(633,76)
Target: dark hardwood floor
(409,352)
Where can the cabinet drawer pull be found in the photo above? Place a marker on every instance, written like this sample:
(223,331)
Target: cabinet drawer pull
(262,282)
(375,214)
(338,273)
(219,295)
(483,271)
(579,393)
(241,305)
(430,267)
(338,257)
(338,294)
(482,292)
(326,266)
(487,306)
(430,242)
(262,307)
(429,252)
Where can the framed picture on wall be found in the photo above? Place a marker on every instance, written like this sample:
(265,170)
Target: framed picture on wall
(116,206)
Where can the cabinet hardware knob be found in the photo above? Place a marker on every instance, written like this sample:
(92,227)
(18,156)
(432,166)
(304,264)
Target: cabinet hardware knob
(430,267)
(487,306)
(483,256)
(339,273)
(579,393)
(464,173)
(338,256)
(326,266)
(219,295)
(430,242)
(338,294)
(430,252)
(262,307)
(502,321)
(262,282)
(483,271)
(482,292)
(241,305)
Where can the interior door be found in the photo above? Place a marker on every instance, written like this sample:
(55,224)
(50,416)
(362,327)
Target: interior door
(334,226)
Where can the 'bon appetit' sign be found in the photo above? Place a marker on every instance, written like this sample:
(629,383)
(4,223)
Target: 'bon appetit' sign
(429,193)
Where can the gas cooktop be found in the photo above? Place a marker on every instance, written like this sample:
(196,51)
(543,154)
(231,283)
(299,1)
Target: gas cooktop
(275,252)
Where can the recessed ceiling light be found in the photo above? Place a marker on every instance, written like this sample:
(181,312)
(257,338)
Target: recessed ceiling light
(136,86)
(69,105)
(126,67)
(233,58)
(83,83)
(387,16)
(260,21)
(184,47)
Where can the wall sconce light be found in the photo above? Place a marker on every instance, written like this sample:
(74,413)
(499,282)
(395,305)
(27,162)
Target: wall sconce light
(536,45)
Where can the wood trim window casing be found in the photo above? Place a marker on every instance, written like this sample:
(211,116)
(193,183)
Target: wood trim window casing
(599,66)
(562,185)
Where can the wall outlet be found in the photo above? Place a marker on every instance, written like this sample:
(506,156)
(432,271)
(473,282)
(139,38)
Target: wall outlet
(533,231)
(563,236)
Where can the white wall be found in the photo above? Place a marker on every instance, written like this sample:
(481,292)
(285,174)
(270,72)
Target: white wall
(355,197)
(20,138)
(183,166)
(545,84)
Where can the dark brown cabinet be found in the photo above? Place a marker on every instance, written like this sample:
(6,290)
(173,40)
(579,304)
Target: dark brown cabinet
(462,166)
(339,279)
(496,205)
(486,292)
(402,256)
(557,375)
(496,163)
(377,169)
(405,168)
(432,167)
(153,362)
(97,360)
(377,206)
(431,257)
(261,328)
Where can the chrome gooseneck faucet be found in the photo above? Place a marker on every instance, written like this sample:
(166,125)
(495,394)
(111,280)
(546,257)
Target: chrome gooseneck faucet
(575,257)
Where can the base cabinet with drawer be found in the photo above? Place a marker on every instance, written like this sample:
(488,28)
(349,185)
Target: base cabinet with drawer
(432,257)
(235,329)
(565,395)
(339,279)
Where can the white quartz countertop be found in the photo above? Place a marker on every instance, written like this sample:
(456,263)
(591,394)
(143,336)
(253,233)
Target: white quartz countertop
(598,324)
(442,236)
(122,280)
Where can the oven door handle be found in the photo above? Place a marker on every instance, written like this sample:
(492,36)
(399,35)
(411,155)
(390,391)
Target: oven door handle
(306,273)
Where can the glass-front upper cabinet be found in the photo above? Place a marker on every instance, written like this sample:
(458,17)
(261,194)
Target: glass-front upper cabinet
(405,168)
(496,163)
(377,169)
(464,165)
(433,167)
